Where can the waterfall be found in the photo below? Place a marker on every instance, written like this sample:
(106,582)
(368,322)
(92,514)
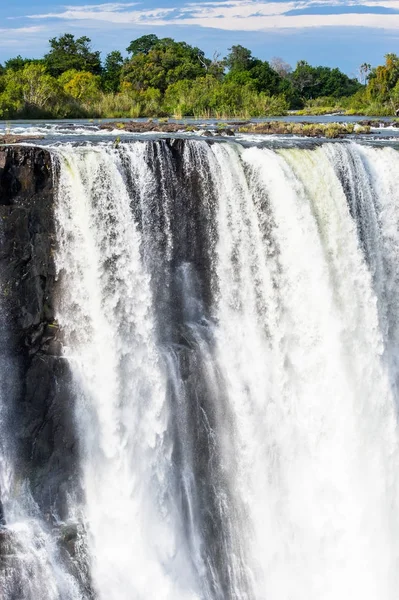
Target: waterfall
(230,316)
(31,560)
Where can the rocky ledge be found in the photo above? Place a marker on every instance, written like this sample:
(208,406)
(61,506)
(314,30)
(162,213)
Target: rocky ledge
(327,130)
(18,139)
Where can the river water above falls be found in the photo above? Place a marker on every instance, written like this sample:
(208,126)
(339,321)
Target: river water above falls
(78,131)
(230,318)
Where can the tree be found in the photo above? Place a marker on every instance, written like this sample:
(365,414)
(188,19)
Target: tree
(38,87)
(81,85)
(69,53)
(383,79)
(112,71)
(167,62)
(364,71)
(215,66)
(31,90)
(2,81)
(304,79)
(239,59)
(245,69)
(143,44)
(280,66)
(258,73)
(265,78)
(312,82)
(186,97)
(18,63)
(394,95)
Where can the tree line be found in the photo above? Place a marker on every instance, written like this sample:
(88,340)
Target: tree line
(162,77)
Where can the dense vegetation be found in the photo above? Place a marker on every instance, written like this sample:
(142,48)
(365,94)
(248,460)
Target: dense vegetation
(162,77)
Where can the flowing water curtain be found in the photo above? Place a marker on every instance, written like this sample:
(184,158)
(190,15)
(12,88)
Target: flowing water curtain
(339,435)
(230,317)
(379,222)
(134,529)
(30,548)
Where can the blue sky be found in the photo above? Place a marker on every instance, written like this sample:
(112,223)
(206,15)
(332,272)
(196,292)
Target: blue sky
(342,33)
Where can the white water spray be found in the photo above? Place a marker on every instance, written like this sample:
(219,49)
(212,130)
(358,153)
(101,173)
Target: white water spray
(279,360)
(106,312)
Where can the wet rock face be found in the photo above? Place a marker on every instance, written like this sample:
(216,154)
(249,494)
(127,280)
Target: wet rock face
(37,380)
(26,243)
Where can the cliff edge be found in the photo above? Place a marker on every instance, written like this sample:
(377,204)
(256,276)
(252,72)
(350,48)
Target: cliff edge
(36,384)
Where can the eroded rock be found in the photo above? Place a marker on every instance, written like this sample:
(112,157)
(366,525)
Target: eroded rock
(37,385)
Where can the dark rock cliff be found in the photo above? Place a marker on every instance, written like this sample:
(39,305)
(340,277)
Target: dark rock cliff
(36,386)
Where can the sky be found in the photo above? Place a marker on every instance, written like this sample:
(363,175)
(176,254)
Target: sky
(342,33)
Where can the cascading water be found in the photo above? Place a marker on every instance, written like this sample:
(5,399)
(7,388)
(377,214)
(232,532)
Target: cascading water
(230,316)
(31,564)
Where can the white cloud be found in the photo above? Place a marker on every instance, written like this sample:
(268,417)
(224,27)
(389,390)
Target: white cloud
(17,30)
(111,15)
(234,15)
(301,22)
(12,36)
(110,6)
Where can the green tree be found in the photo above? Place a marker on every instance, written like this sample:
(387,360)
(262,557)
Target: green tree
(239,77)
(265,78)
(112,71)
(239,59)
(2,82)
(186,97)
(81,85)
(304,79)
(383,79)
(69,53)
(245,69)
(17,63)
(143,44)
(259,74)
(31,91)
(311,82)
(167,62)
